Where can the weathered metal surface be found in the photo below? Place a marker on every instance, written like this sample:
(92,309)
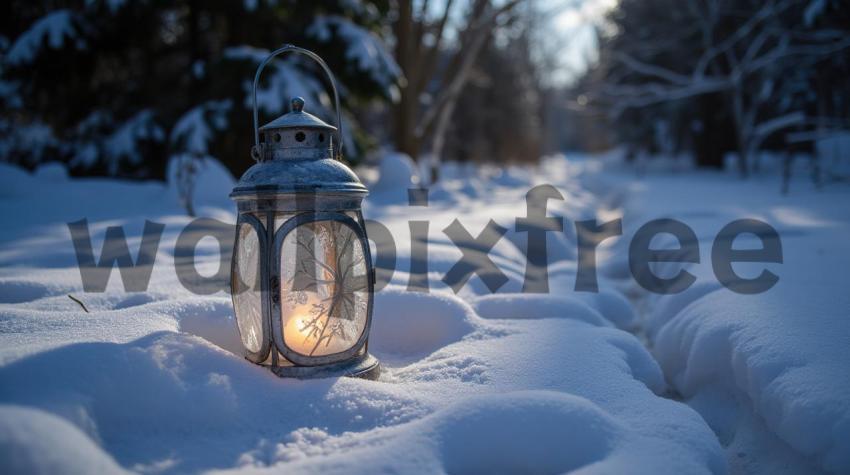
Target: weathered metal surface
(296,173)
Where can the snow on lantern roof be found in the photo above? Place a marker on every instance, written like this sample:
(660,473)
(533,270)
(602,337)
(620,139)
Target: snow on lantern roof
(297,118)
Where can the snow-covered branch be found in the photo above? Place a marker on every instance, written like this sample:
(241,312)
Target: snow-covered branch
(363,48)
(54,29)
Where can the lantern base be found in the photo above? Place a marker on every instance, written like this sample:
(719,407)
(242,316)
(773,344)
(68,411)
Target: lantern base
(366,367)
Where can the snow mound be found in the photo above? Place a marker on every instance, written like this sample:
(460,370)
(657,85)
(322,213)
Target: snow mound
(14,181)
(604,308)
(668,307)
(587,406)
(213,183)
(550,433)
(52,172)
(18,291)
(415,324)
(784,351)
(537,306)
(210,318)
(613,306)
(35,442)
(173,388)
(397,173)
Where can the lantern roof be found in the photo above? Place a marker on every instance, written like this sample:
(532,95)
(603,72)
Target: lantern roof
(297,176)
(292,161)
(297,118)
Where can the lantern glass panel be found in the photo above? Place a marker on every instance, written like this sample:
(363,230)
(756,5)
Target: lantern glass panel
(246,290)
(324,288)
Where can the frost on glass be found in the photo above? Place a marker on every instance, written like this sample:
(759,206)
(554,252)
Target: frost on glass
(324,288)
(246,288)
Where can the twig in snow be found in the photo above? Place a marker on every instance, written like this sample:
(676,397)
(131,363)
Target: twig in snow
(79,302)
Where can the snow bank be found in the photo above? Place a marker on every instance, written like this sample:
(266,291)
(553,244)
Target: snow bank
(414,324)
(769,372)
(587,405)
(469,437)
(537,306)
(33,441)
(786,351)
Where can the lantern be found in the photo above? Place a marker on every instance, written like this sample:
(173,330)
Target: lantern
(301,277)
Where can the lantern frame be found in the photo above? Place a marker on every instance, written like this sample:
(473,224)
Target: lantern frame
(262,240)
(278,335)
(287,189)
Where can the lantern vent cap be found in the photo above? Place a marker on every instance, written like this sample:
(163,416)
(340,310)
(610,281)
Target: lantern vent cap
(297,118)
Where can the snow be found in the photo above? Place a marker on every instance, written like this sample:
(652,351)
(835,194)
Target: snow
(9,93)
(37,442)
(396,174)
(620,381)
(113,5)
(99,137)
(123,143)
(55,29)
(834,150)
(34,137)
(284,81)
(196,128)
(51,172)
(211,177)
(813,11)
(363,48)
(194,177)
(768,372)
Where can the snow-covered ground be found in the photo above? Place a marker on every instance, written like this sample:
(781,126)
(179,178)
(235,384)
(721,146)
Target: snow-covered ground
(770,373)
(620,381)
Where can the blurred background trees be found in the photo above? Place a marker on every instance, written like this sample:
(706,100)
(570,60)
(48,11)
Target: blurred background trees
(151,89)
(123,87)
(710,77)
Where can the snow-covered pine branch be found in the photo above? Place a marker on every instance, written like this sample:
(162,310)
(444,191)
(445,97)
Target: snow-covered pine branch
(30,141)
(365,49)
(282,80)
(195,129)
(97,141)
(190,138)
(53,30)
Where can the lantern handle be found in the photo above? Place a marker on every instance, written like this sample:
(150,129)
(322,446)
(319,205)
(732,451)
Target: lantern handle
(255,151)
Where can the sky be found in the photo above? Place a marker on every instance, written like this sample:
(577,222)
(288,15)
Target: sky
(567,31)
(572,24)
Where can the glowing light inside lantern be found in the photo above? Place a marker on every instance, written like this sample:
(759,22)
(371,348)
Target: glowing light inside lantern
(300,335)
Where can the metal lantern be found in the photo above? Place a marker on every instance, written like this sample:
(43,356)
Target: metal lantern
(302,279)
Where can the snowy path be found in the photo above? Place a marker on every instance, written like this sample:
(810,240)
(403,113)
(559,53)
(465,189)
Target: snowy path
(770,373)
(474,382)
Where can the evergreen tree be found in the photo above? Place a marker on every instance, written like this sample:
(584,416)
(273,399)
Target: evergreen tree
(120,88)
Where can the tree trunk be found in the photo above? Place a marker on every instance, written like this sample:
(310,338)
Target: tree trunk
(404,113)
(742,127)
(709,143)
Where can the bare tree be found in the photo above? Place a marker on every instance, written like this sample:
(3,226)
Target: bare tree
(430,66)
(751,67)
